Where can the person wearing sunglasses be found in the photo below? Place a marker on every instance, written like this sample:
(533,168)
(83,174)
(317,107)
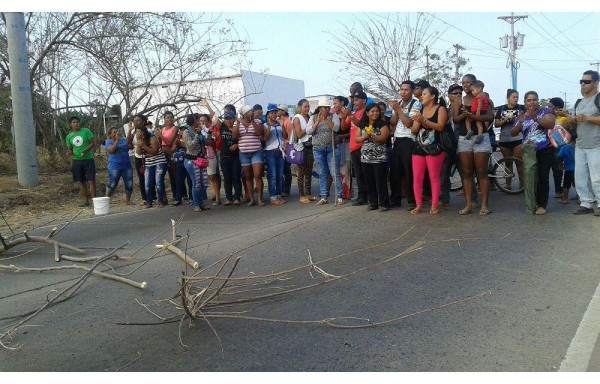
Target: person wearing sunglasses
(587,148)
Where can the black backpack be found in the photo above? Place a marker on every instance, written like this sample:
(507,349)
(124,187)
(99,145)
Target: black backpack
(596,101)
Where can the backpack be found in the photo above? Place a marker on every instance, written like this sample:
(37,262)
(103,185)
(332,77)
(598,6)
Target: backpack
(596,101)
(559,136)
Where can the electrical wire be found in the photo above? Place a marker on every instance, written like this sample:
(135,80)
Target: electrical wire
(564,49)
(566,37)
(549,75)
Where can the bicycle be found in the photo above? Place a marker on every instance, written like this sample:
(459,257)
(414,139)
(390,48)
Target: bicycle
(498,169)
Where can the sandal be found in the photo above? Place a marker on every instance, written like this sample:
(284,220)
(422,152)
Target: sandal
(484,212)
(227,203)
(416,211)
(465,211)
(322,201)
(236,202)
(434,211)
(261,203)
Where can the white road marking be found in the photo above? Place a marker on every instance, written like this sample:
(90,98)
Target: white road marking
(581,348)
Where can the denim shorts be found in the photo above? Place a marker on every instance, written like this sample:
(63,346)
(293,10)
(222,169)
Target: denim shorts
(250,158)
(213,166)
(465,145)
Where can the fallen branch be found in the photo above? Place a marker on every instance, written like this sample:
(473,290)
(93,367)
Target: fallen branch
(38,239)
(17,268)
(70,290)
(170,247)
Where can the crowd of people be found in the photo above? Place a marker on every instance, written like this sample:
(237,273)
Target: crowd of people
(402,156)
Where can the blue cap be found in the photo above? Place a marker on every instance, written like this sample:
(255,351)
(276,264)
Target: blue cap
(272,107)
(229,115)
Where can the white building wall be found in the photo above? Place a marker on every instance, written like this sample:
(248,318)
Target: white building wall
(263,89)
(247,88)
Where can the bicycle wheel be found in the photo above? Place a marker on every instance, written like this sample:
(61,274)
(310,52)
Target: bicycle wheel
(455,180)
(502,171)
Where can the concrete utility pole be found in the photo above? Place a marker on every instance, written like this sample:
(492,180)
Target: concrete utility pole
(458,48)
(20,90)
(513,43)
(597,64)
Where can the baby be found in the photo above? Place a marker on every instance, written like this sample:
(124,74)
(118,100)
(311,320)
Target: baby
(479,108)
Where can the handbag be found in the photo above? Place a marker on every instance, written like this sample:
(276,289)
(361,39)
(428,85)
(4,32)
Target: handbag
(427,142)
(201,162)
(448,141)
(294,152)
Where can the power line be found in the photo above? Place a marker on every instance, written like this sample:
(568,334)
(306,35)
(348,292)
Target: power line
(495,48)
(561,32)
(564,49)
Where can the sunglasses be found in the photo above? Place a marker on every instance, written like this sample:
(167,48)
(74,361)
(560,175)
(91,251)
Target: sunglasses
(585,81)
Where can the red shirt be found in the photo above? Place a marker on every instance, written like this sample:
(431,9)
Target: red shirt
(484,104)
(354,129)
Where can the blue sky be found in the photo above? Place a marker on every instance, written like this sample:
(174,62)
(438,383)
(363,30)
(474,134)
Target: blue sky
(558,48)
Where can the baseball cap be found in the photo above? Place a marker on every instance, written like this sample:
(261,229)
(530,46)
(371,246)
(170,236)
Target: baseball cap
(422,83)
(454,87)
(229,115)
(360,95)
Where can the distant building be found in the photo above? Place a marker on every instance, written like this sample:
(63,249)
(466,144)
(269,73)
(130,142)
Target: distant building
(313,101)
(245,88)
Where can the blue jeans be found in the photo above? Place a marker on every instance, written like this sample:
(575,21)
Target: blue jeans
(197,182)
(324,159)
(154,176)
(587,175)
(232,168)
(274,172)
(115,174)
(180,176)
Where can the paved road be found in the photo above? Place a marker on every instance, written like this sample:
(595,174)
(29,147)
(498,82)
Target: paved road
(536,275)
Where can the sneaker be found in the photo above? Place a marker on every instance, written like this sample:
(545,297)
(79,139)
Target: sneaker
(359,202)
(176,203)
(340,200)
(322,201)
(540,211)
(384,209)
(583,210)
(227,203)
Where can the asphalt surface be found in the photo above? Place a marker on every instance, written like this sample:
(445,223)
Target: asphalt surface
(503,292)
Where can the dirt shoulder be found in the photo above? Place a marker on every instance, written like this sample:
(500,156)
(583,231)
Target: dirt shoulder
(55,200)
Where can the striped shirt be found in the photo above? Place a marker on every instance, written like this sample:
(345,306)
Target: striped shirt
(156,159)
(248,141)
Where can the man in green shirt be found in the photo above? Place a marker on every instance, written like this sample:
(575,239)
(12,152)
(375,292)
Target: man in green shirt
(80,145)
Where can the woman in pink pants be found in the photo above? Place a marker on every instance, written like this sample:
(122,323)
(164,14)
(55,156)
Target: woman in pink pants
(427,154)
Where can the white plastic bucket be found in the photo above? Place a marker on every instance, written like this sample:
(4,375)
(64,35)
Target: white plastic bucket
(101,205)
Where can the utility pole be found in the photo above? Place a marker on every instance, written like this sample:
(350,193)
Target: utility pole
(513,43)
(20,90)
(597,64)
(458,48)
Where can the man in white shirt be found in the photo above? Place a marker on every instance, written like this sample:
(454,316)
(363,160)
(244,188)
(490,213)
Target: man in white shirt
(404,142)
